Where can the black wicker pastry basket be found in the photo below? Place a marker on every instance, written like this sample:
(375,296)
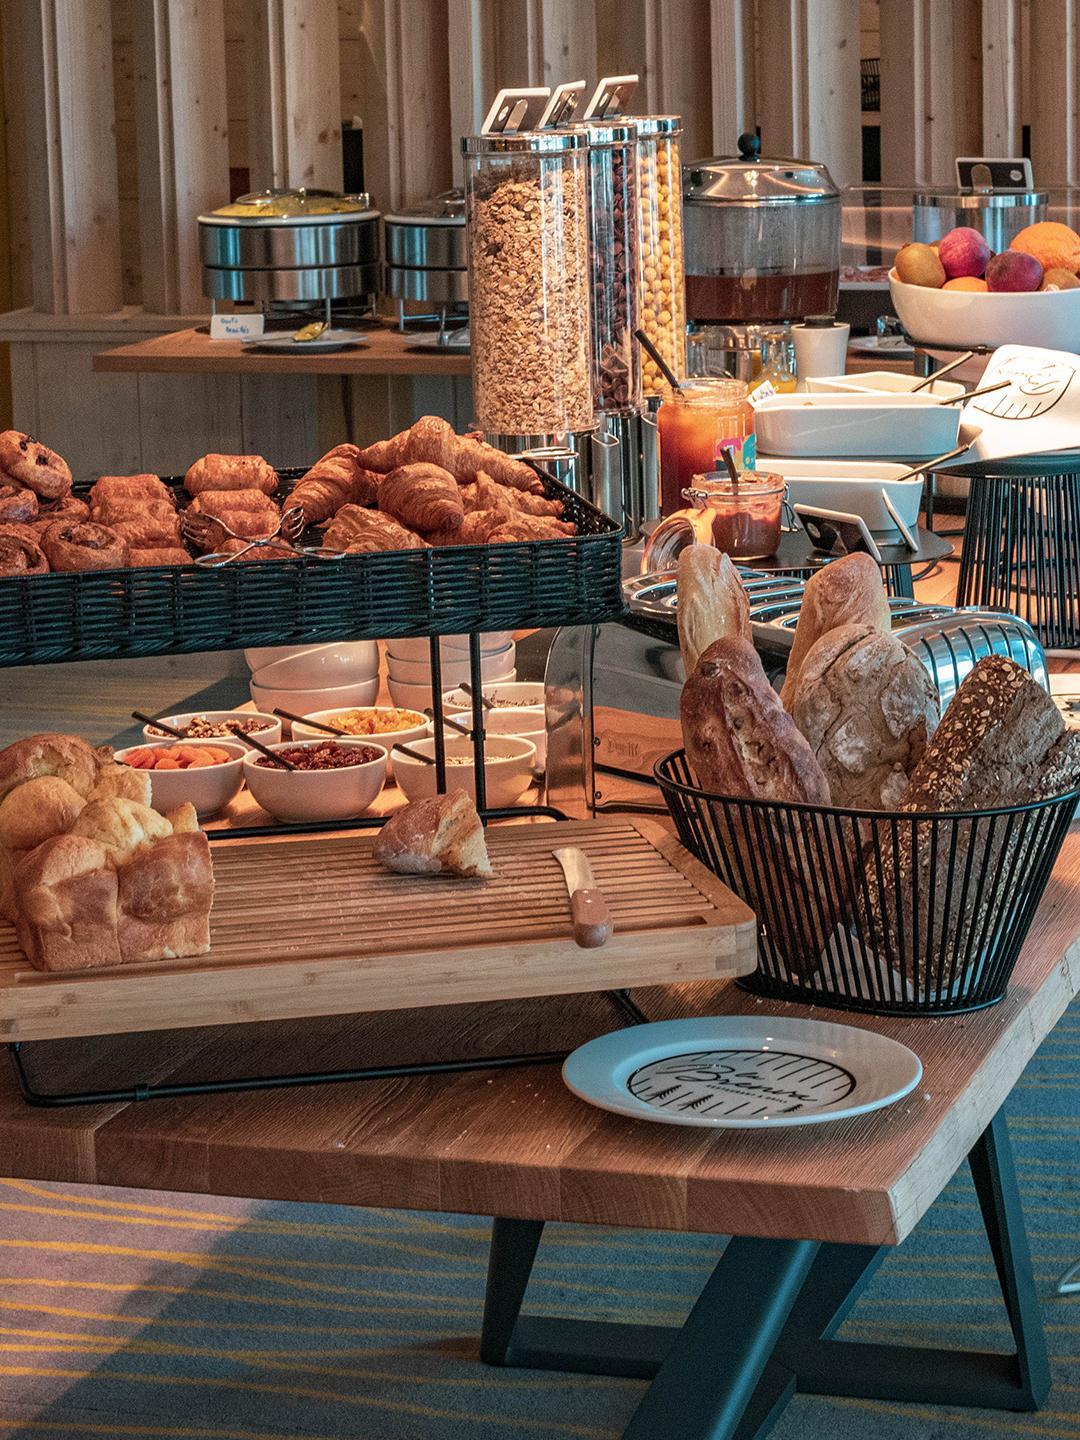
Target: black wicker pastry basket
(885,912)
(448,590)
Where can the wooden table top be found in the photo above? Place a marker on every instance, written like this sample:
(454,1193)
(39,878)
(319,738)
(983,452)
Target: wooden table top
(517,1143)
(387,352)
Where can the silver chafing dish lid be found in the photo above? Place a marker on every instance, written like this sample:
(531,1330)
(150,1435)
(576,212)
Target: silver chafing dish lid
(292,207)
(748,179)
(445,209)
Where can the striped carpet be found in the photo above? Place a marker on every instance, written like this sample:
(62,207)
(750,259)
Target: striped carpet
(157,1315)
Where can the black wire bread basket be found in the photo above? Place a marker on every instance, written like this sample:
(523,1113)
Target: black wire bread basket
(881,911)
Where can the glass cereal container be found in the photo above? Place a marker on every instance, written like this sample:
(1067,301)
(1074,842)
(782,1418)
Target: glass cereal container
(613,263)
(660,245)
(528,248)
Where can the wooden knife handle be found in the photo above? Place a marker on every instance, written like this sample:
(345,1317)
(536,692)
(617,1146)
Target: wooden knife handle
(592,918)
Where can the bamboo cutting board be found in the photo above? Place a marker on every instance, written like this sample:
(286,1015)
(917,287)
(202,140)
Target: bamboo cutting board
(313,925)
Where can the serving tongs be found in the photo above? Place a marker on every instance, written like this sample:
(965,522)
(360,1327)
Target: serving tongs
(208,533)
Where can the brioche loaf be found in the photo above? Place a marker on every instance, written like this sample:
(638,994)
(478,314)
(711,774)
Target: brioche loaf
(848,591)
(438,836)
(65,756)
(867,707)
(67,905)
(164,896)
(711,602)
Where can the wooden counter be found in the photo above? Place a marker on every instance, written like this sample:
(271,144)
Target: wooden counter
(387,352)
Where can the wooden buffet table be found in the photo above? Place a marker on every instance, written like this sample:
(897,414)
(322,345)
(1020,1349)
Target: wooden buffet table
(387,352)
(813,1207)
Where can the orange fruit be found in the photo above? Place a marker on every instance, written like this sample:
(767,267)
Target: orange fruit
(1055,246)
(965,282)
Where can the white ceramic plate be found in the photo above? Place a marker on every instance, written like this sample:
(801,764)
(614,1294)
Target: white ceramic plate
(896,347)
(328,340)
(742,1072)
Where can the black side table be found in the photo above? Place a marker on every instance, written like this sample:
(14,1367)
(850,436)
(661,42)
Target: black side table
(1021,548)
(797,557)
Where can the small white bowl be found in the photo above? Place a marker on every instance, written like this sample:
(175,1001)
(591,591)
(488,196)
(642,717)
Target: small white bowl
(269,734)
(523,694)
(454,671)
(307,702)
(508,768)
(318,666)
(339,794)
(452,646)
(525,722)
(876,381)
(385,738)
(209,788)
(418,697)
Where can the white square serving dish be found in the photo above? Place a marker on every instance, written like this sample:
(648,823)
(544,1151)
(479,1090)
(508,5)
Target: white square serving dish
(804,426)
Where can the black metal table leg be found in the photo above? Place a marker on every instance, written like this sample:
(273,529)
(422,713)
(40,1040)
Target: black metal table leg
(764,1326)
(710,1376)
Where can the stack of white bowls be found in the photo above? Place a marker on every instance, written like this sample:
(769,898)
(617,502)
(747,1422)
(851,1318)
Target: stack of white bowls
(306,678)
(408,665)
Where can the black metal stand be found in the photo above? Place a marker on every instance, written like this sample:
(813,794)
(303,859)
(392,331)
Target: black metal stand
(129,1094)
(763,1329)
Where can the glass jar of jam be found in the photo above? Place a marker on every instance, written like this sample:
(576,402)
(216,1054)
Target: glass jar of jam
(744,519)
(697,423)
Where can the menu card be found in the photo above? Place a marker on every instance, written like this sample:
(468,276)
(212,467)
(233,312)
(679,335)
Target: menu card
(1039,414)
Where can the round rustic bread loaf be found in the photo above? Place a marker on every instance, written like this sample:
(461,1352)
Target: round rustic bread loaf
(867,708)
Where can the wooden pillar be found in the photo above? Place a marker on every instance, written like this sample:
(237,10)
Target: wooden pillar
(1000,77)
(919,93)
(74,196)
(1054,100)
(472,71)
(294,94)
(182,140)
(732,72)
(809,102)
(418,99)
(561,39)
(678,68)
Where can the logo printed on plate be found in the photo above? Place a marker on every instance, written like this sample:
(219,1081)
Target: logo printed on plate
(745,1083)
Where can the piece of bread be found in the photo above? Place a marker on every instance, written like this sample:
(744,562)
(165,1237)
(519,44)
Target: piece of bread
(477,528)
(867,707)
(37,810)
(231,472)
(121,509)
(66,892)
(160,555)
(66,756)
(848,591)
(423,497)
(132,489)
(222,503)
(738,737)
(438,836)
(122,827)
(357,530)
(336,479)
(165,892)
(1001,742)
(465,456)
(712,603)
(122,782)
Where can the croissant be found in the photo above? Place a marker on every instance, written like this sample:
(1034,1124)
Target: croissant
(535,504)
(434,441)
(355,529)
(129,487)
(422,497)
(335,480)
(384,455)
(477,527)
(111,512)
(231,472)
(531,527)
(148,532)
(484,494)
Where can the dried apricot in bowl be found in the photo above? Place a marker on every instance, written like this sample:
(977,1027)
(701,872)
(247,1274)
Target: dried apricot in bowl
(1055,246)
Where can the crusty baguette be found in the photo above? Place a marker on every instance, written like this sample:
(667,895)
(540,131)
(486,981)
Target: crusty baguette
(738,737)
(867,706)
(712,603)
(848,591)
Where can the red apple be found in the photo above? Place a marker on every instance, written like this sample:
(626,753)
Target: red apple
(963,251)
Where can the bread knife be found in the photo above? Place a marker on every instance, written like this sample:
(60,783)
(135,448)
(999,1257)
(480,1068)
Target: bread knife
(588,908)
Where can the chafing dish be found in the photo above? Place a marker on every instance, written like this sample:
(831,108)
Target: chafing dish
(291,245)
(426,257)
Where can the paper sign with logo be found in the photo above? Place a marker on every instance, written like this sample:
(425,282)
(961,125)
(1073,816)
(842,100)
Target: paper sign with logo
(1038,414)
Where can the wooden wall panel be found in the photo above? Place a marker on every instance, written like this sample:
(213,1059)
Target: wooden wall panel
(733,72)
(418,99)
(1001,74)
(919,96)
(71,149)
(678,64)
(183,143)
(294,94)
(1054,102)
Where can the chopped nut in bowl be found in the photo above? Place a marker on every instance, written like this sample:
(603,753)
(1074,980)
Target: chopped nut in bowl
(335,779)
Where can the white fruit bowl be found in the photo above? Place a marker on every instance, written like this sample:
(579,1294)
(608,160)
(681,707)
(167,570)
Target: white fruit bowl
(317,666)
(308,702)
(508,768)
(339,794)
(1046,318)
(209,788)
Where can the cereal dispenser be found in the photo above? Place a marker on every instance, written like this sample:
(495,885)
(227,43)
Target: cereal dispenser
(660,246)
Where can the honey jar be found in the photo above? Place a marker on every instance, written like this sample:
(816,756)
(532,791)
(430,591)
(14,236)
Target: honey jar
(696,424)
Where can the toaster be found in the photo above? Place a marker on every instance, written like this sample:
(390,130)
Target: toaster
(612,691)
